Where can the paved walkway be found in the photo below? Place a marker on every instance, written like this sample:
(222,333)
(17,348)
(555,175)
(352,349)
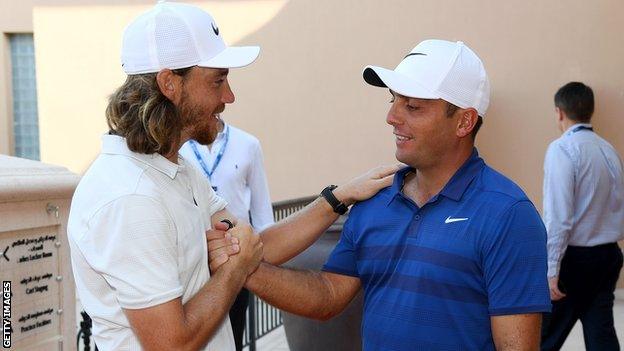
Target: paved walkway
(276,340)
(575,340)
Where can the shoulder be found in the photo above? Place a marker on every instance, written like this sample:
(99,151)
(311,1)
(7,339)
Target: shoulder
(242,136)
(559,146)
(499,187)
(110,177)
(508,205)
(607,145)
(382,198)
(371,209)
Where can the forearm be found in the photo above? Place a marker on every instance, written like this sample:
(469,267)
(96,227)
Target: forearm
(293,235)
(519,332)
(205,312)
(289,237)
(304,293)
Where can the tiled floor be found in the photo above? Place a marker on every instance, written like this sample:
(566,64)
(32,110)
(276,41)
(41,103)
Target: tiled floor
(276,340)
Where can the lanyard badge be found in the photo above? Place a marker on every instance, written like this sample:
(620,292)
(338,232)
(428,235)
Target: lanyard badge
(209,171)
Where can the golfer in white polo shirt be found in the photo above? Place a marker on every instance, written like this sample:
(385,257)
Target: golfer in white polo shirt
(139,215)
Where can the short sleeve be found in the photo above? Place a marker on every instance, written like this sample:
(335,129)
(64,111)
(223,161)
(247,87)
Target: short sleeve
(132,242)
(514,263)
(205,196)
(343,260)
(213,202)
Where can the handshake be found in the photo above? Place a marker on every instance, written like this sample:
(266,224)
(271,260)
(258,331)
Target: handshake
(239,248)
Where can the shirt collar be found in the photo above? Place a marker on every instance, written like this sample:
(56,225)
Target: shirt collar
(456,186)
(570,130)
(397,184)
(222,133)
(116,145)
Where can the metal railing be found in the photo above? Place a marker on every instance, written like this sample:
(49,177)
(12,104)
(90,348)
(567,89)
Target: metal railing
(262,318)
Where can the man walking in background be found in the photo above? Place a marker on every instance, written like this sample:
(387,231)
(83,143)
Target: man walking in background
(584,217)
(233,165)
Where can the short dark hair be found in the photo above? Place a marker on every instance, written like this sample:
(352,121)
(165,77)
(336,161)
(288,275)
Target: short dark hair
(450,111)
(576,100)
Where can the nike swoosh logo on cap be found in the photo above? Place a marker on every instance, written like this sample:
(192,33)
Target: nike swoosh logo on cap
(215,30)
(414,54)
(451,220)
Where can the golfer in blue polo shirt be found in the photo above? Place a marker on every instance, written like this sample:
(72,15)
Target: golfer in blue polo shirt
(452,256)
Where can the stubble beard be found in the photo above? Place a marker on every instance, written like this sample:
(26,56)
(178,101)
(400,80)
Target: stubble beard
(200,128)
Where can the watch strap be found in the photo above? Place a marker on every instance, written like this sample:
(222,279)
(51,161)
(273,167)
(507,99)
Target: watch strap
(336,205)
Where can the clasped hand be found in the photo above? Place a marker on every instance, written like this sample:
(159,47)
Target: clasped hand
(239,246)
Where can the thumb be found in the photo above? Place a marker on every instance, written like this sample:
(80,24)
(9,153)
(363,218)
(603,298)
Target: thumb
(221,226)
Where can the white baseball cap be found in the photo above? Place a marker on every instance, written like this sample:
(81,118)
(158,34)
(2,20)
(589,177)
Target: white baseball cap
(437,69)
(174,35)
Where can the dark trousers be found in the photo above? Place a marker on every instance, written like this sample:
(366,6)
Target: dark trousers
(588,277)
(237,317)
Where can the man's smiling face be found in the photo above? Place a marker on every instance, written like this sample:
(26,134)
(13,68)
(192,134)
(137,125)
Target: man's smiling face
(423,132)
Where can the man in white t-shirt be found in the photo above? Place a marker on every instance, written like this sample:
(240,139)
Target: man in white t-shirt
(139,215)
(233,164)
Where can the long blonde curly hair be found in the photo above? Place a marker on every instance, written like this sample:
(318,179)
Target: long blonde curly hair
(139,112)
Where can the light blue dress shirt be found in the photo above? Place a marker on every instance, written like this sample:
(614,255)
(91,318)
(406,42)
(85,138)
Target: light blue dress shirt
(583,193)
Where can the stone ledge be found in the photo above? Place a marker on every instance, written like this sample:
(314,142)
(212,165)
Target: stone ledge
(27,180)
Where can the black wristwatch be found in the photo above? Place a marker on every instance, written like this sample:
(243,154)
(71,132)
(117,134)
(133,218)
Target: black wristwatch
(338,206)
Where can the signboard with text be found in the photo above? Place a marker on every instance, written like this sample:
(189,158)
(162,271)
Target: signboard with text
(29,269)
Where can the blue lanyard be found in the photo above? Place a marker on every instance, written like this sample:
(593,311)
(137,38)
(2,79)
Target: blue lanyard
(200,159)
(579,128)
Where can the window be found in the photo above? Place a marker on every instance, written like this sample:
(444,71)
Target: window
(25,115)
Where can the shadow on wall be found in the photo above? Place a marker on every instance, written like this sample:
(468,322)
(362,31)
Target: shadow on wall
(306,95)
(305,99)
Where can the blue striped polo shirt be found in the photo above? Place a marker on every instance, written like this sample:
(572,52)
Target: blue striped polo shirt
(433,276)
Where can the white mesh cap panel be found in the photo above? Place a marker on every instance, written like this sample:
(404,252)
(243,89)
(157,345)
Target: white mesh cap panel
(175,46)
(175,35)
(462,89)
(135,51)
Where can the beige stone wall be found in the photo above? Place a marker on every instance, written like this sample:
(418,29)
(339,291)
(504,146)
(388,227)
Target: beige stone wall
(72,104)
(17,17)
(305,99)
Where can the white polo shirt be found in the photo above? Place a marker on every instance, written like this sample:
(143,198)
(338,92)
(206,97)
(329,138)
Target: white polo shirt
(137,237)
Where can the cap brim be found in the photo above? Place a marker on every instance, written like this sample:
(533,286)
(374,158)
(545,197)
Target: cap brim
(385,78)
(233,57)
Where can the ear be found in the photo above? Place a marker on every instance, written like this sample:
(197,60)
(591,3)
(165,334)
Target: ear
(560,114)
(466,122)
(170,85)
